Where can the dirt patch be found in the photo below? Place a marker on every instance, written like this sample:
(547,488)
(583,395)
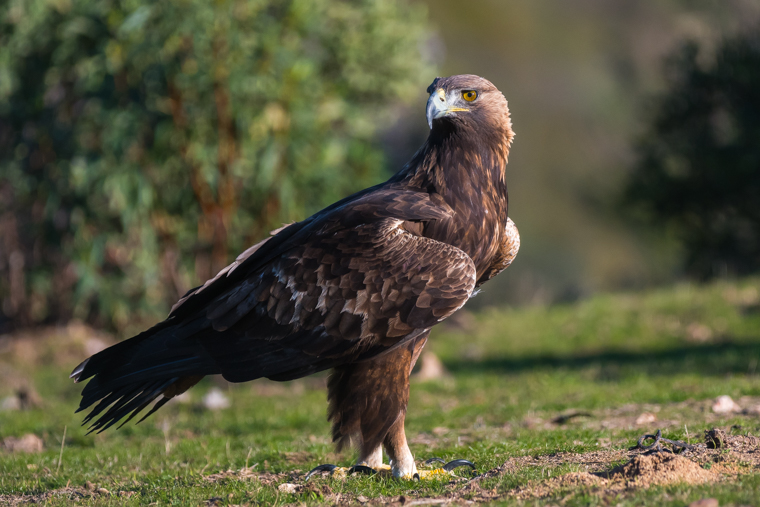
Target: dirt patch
(573,482)
(660,468)
(721,456)
(73,494)
(640,472)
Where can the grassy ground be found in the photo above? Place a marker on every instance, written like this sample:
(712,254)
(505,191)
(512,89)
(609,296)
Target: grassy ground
(531,394)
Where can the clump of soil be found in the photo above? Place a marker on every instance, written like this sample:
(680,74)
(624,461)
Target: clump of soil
(578,479)
(715,438)
(571,481)
(640,472)
(574,481)
(660,468)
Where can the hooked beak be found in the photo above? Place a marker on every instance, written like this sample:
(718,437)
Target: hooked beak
(437,106)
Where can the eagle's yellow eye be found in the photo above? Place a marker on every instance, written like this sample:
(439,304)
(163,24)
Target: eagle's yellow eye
(469,95)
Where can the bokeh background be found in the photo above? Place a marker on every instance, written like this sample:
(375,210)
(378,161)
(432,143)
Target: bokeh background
(143,145)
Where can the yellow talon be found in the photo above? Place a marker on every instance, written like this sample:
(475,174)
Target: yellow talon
(436,474)
(383,469)
(340,473)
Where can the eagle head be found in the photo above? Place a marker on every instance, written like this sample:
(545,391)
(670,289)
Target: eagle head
(468,102)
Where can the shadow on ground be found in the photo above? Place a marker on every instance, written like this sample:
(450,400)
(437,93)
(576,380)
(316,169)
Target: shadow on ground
(721,358)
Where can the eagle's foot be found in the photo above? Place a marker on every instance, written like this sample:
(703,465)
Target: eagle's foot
(444,472)
(343,472)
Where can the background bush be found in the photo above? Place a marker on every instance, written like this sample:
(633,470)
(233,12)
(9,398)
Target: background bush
(698,170)
(143,144)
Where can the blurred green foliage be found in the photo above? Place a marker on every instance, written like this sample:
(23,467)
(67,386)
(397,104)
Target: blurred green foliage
(142,144)
(698,169)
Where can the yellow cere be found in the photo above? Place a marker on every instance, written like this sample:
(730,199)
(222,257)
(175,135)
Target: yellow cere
(469,95)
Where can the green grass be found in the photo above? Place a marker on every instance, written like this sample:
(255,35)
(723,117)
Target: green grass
(512,371)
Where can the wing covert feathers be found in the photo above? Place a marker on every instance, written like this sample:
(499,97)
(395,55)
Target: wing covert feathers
(349,294)
(348,286)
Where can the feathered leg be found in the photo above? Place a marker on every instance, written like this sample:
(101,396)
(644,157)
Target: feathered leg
(368,403)
(401,459)
(368,399)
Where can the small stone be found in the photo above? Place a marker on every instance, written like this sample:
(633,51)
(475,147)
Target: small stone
(103,491)
(11,403)
(183,398)
(705,502)
(216,400)
(362,499)
(432,368)
(645,418)
(698,333)
(29,443)
(93,345)
(288,487)
(725,405)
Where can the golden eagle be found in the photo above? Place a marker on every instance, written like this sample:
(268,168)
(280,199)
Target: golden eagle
(356,287)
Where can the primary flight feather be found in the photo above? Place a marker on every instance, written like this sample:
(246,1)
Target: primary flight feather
(356,287)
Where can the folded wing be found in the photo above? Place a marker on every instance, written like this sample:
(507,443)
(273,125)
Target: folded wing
(349,283)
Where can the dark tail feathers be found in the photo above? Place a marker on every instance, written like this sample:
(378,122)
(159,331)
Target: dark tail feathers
(127,377)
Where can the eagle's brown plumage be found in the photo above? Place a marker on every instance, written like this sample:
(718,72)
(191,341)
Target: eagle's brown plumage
(355,287)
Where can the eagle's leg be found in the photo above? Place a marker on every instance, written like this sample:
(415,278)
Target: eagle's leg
(402,460)
(372,458)
(400,457)
(368,402)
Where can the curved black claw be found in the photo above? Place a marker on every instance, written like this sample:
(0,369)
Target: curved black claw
(321,468)
(656,446)
(451,465)
(434,460)
(362,469)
